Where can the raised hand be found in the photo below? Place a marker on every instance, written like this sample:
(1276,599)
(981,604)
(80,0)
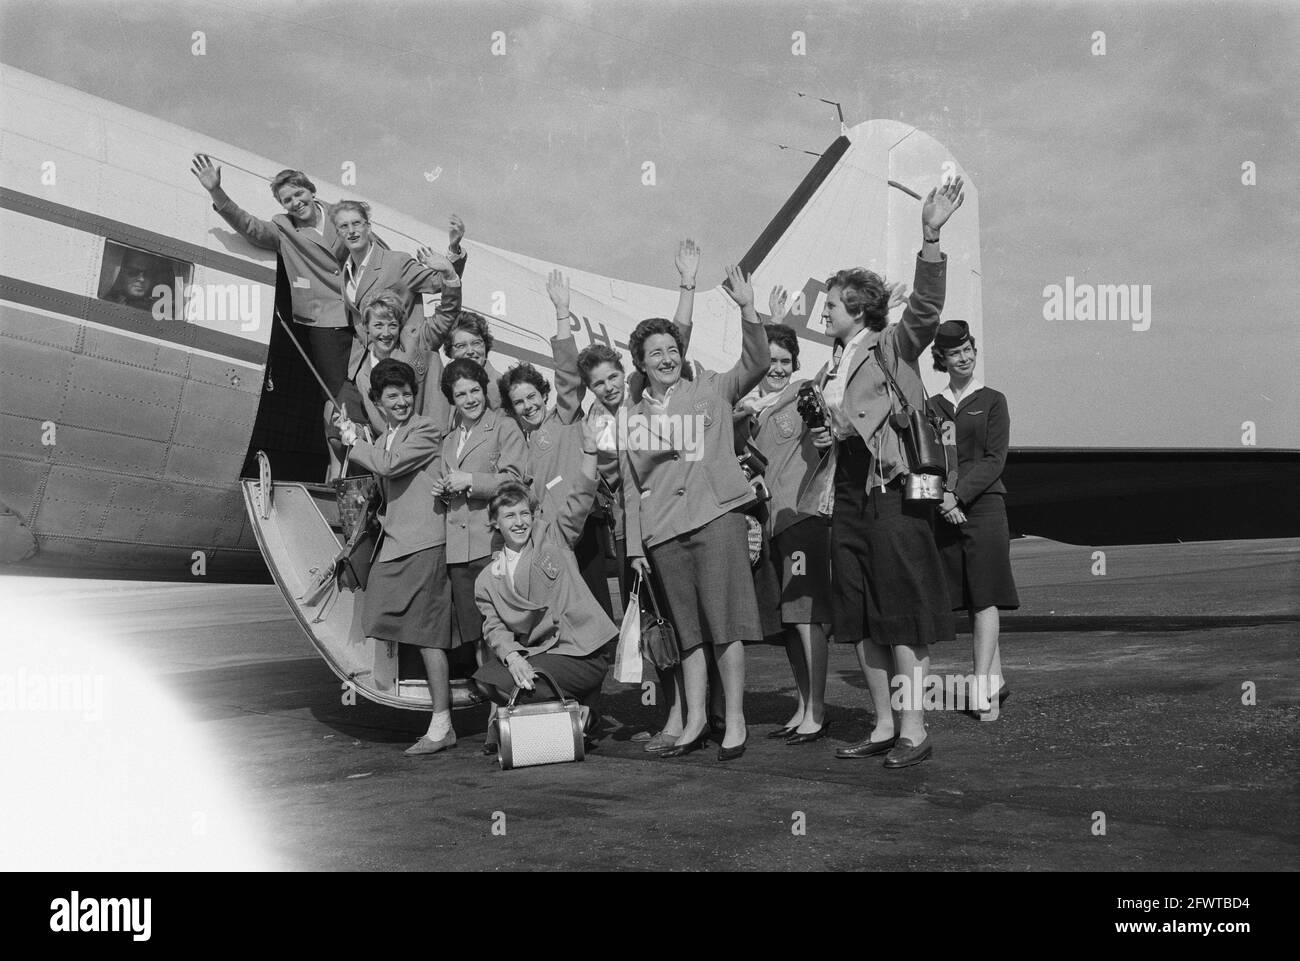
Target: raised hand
(738,287)
(435,261)
(778,302)
(687,260)
(455,233)
(941,204)
(557,288)
(208,173)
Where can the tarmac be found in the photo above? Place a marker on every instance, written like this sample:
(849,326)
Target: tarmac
(1152,727)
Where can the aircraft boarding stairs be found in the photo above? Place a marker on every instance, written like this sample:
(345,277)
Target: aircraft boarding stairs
(299,535)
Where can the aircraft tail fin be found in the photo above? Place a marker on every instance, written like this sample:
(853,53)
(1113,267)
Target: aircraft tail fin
(860,206)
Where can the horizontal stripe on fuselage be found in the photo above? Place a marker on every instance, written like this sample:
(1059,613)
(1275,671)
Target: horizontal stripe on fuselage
(132,322)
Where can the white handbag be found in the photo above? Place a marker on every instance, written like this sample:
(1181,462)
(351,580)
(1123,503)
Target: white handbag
(627,656)
(541,732)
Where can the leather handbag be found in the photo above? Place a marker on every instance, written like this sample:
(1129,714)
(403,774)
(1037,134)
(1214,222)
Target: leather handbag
(540,732)
(658,638)
(920,434)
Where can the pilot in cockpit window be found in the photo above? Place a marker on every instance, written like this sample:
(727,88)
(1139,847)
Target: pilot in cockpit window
(140,280)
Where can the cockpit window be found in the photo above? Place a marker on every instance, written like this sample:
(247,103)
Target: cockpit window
(143,280)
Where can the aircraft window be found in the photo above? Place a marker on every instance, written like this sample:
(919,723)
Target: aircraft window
(140,279)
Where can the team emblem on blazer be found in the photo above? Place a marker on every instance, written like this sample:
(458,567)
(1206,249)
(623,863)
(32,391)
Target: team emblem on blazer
(785,424)
(547,566)
(492,462)
(705,409)
(543,440)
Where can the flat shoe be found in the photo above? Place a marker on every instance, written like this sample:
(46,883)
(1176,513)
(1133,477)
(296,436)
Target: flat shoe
(905,753)
(661,742)
(817,735)
(780,733)
(867,748)
(426,746)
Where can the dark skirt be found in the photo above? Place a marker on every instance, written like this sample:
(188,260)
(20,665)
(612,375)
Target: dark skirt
(469,620)
(408,600)
(708,588)
(889,583)
(579,677)
(793,578)
(977,557)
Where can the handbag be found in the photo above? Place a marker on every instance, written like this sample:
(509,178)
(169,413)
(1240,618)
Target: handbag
(920,434)
(658,638)
(540,732)
(627,656)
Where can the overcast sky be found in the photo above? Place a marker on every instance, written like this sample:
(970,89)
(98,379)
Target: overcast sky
(1117,169)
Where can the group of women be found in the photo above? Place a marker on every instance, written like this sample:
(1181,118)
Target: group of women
(501,509)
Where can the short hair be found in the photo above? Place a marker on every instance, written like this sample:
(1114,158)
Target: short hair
(295,178)
(647,329)
(358,206)
(589,358)
(522,374)
(864,294)
(784,337)
(508,494)
(462,368)
(476,324)
(387,302)
(391,373)
(936,353)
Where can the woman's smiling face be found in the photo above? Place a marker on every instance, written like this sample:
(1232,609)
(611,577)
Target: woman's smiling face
(515,521)
(529,405)
(662,360)
(468,397)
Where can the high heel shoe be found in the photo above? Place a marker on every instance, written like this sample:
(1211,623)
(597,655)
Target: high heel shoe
(682,748)
(811,736)
(717,725)
(731,753)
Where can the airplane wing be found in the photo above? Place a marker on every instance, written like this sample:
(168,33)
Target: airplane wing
(1101,496)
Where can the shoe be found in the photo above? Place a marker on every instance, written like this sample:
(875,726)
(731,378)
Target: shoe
(425,746)
(905,753)
(717,726)
(681,749)
(731,753)
(780,733)
(661,742)
(492,739)
(817,735)
(867,748)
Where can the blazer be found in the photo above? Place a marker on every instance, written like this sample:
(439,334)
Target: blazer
(413,518)
(494,453)
(797,472)
(983,436)
(668,490)
(611,481)
(398,271)
(418,346)
(547,606)
(867,397)
(555,446)
(312,262)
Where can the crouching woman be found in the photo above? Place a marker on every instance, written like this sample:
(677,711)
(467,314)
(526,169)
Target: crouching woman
(538,613)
